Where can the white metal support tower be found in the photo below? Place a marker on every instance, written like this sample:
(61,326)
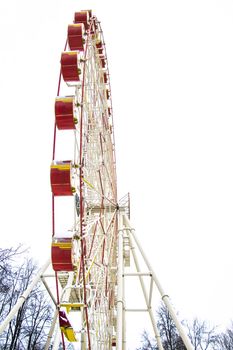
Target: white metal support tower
(129,248)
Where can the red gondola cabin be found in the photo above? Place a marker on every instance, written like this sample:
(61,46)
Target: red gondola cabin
(75,36)
(62,254)
(60,177)
(69,66)
(64,113)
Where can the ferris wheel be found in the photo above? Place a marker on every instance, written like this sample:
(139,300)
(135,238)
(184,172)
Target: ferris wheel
(94,248)
(83,256)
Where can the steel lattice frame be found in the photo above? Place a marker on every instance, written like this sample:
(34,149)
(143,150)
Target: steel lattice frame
(91,289)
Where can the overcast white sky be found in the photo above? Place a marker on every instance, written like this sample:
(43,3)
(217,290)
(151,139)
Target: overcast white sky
(172,87)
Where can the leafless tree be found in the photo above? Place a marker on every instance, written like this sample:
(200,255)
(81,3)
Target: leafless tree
(28,329)
(168,333)
(147,342)
(202,336)
(225,340)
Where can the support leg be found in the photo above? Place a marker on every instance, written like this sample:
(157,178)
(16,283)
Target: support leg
(119,337)
(153,322)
